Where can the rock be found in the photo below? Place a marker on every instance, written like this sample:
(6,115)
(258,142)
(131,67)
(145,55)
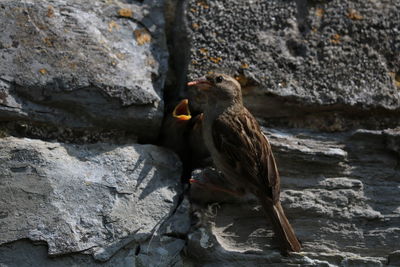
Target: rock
(394,258)
(83,65)
(393,140)
(339,192)
(323,76)
(24,253)
(300,58)
(93,199)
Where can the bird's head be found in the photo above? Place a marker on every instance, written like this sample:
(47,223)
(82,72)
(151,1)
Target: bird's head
(219,88)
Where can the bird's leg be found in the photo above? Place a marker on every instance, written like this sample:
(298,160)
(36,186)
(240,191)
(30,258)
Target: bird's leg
(213,187)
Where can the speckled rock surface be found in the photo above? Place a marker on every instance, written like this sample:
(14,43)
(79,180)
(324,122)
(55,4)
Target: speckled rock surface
(323,55)
(340,194)
(99,64)
(93,199)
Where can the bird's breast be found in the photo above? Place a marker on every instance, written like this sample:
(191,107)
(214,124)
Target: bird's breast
(220,161)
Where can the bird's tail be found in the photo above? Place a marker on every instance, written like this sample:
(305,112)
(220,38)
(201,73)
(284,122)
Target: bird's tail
(282,228)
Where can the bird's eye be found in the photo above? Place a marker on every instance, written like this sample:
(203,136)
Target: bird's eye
(219,79)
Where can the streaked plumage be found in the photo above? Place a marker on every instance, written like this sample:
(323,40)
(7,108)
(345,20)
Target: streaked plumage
(241,152)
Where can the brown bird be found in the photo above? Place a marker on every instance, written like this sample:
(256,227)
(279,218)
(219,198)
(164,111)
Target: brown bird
(242,152)
(182,132)
(199,153)
(175,127)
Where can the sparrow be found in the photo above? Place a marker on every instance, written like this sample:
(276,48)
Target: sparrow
(175,127)
(242,152)
(182,133)
(200,157)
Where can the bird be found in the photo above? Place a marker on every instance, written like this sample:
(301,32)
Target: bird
(175,126)
(181,132)
(242,152)
(200,157)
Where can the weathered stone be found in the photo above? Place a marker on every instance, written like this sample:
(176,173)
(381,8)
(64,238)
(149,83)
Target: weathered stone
(24,253)
(394,258)
(297,57)
(339,192)
(98,64)
(393,140)
(68,69)
(93,199)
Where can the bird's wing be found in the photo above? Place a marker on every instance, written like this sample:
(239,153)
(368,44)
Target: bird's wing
(239,140)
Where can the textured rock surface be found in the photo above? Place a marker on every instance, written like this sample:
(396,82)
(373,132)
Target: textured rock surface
(161,250)
(98,64)
(340,193)
(323,55)
(93,199)
(80,73)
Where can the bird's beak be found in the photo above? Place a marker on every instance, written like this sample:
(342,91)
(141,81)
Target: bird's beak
(181,111)
(202,83)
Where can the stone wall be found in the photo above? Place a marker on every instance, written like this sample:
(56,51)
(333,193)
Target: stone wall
(84,86)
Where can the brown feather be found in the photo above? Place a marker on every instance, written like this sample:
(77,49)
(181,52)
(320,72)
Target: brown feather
(282,228)
(240,141)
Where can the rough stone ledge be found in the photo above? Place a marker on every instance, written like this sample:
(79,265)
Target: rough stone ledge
(94,199)
(339,192)
(101,64)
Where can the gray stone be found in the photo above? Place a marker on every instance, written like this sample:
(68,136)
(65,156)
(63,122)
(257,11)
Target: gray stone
(165,247)
(24,253)
(393,140)
(83,64)
(84,72)
(93,199)
(288,55)
(394,258)
(340,194)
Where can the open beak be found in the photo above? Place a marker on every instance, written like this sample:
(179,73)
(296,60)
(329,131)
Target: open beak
(181,111)
(201,83)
